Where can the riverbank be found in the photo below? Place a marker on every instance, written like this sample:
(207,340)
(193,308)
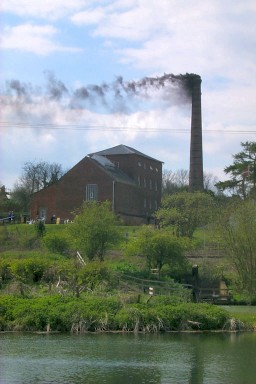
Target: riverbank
(114,314)
(44,288)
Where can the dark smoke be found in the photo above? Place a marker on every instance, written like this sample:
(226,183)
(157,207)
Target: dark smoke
(56,88)
(118,96)
(19,91)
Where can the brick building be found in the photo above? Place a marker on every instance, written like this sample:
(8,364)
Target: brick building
(129,179)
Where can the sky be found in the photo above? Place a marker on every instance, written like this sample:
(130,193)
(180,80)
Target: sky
(72,80)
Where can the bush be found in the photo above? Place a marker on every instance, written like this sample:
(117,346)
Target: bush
(170,317)
(4,235)
(96,274)
(105,314)
(40,228)
(28,270)
(187,316)
(5,271)
(56,244)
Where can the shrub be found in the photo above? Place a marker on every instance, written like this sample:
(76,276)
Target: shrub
(4,235)
(56,244)
(104,314)
(96,274)
(40,228)
(28,270)
(191,315)
(5,271)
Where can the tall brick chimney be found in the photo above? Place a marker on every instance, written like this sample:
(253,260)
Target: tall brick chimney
(196,148)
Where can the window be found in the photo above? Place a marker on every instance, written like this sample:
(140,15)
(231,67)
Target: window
(156,186)
(145,203)
(150,184)
(91,192)
(116,164)
(145,182)
(139,182)
(42,213)
(155,204)
(139,163)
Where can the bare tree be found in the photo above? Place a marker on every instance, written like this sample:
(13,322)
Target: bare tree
(178,181)
(175,181)
(210,182)
(35,177)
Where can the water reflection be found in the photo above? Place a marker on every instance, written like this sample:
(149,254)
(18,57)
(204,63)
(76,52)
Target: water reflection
(197,365)
(127,359)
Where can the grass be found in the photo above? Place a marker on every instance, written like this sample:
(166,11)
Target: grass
(244,313)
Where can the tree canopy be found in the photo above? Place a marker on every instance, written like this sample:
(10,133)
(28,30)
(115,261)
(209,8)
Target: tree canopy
(237,229)
(186,211)
(242,172)
(160,247)
(94,229)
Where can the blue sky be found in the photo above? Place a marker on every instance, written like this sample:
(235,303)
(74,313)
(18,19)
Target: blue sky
(82,43)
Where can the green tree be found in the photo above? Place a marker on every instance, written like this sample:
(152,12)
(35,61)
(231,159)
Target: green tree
(160,247)
(20,198)
(242,172)
(94,229)
(186,211)
(237,229)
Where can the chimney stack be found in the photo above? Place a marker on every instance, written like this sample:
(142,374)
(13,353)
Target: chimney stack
(196,149)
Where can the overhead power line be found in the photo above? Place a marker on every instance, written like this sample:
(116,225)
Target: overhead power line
(83,127)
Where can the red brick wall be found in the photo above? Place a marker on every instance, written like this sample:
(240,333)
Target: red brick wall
(149,169)
(68,193)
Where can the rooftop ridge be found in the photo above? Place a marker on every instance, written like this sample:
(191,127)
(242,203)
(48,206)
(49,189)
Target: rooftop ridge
(122,149)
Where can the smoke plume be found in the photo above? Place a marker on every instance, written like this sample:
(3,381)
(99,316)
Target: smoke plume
(118,96)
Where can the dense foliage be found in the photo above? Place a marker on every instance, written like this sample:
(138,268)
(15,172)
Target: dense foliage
(186,211)
(45,286)
(242,172)
(97,314)
(237,230)
(159,247)
(94,229)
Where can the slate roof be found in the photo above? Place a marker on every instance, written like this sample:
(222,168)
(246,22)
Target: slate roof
(114,172)
(122,150)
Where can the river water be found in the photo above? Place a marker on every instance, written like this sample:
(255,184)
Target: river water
(197,358)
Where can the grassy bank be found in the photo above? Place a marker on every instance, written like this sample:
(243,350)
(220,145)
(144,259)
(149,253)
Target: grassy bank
(244,315)
(105,314)
(44,287)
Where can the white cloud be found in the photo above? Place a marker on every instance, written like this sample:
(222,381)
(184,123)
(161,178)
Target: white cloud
(44,9)
(93,16)
(37,39)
